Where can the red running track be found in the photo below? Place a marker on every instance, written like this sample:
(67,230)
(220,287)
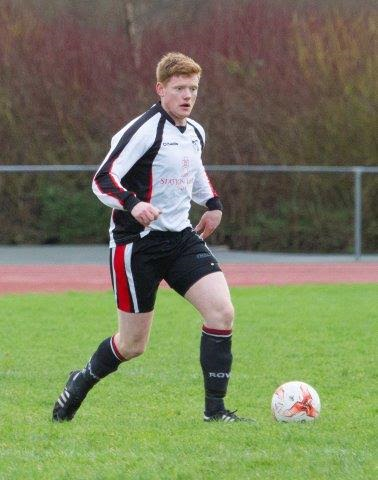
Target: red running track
(62,278)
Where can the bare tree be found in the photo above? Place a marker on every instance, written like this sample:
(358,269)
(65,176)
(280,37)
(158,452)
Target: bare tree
(132,30)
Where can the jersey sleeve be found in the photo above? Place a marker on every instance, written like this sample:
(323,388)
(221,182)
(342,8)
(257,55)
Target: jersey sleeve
(203,190)
(126,149)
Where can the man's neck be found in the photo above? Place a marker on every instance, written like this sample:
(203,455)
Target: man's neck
(179,122)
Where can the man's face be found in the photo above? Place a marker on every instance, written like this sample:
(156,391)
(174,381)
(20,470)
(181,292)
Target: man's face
(178,96)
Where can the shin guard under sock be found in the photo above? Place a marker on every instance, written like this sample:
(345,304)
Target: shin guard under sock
(216,360)
(105,360)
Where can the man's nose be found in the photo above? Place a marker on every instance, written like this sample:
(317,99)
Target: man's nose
(187,93)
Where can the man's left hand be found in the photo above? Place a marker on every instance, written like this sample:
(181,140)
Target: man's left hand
(208,223)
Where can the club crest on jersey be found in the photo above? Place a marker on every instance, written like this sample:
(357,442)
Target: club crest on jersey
(185,166)
(195,144)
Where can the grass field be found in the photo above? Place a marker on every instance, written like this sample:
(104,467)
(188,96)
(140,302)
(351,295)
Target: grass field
(145,421)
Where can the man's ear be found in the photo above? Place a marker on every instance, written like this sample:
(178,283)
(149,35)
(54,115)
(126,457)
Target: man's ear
(160,90)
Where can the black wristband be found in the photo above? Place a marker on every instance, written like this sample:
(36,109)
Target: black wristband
(214,204)
(130,201)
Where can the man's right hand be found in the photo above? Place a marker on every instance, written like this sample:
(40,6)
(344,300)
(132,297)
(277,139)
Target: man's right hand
(145,213)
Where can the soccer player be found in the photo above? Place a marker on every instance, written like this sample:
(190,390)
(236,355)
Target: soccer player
(149,177)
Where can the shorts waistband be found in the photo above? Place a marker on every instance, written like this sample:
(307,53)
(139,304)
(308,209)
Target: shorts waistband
(167,233)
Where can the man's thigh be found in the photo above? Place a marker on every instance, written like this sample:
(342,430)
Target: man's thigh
(211,297)
(133,332)
(134,327)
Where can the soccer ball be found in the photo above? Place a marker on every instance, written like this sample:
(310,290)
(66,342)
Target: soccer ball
(295,402)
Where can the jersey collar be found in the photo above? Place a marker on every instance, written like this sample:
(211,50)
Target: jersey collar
(169,118)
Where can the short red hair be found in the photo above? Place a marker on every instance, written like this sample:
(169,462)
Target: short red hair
(175,63)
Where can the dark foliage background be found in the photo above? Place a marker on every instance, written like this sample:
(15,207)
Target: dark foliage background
(285,82)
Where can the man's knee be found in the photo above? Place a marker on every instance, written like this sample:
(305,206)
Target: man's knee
(133,334)
(227,316)
(130,350)
(221,318)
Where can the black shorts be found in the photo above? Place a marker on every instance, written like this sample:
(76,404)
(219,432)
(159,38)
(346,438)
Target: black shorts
(179,258)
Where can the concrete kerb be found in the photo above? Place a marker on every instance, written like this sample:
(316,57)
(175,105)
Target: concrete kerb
(99,255)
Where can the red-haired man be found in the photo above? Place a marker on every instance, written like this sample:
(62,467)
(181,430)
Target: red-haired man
(149,177)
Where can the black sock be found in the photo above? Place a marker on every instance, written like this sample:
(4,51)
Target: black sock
(105,360)
(216,360)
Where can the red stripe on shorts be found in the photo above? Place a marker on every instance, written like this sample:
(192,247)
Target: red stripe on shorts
(124,301)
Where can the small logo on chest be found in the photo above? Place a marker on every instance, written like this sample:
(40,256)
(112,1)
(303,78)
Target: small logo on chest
(166,144)
(195,145)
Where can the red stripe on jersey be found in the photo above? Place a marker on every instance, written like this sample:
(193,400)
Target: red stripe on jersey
(124,301)
(149,190)
(213,331)
(111,194)
(215,194)
(114,181)
(117,186)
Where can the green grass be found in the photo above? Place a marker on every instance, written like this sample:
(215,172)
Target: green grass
(144,422)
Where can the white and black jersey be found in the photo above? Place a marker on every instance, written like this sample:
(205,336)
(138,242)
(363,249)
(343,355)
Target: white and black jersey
(153,160)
